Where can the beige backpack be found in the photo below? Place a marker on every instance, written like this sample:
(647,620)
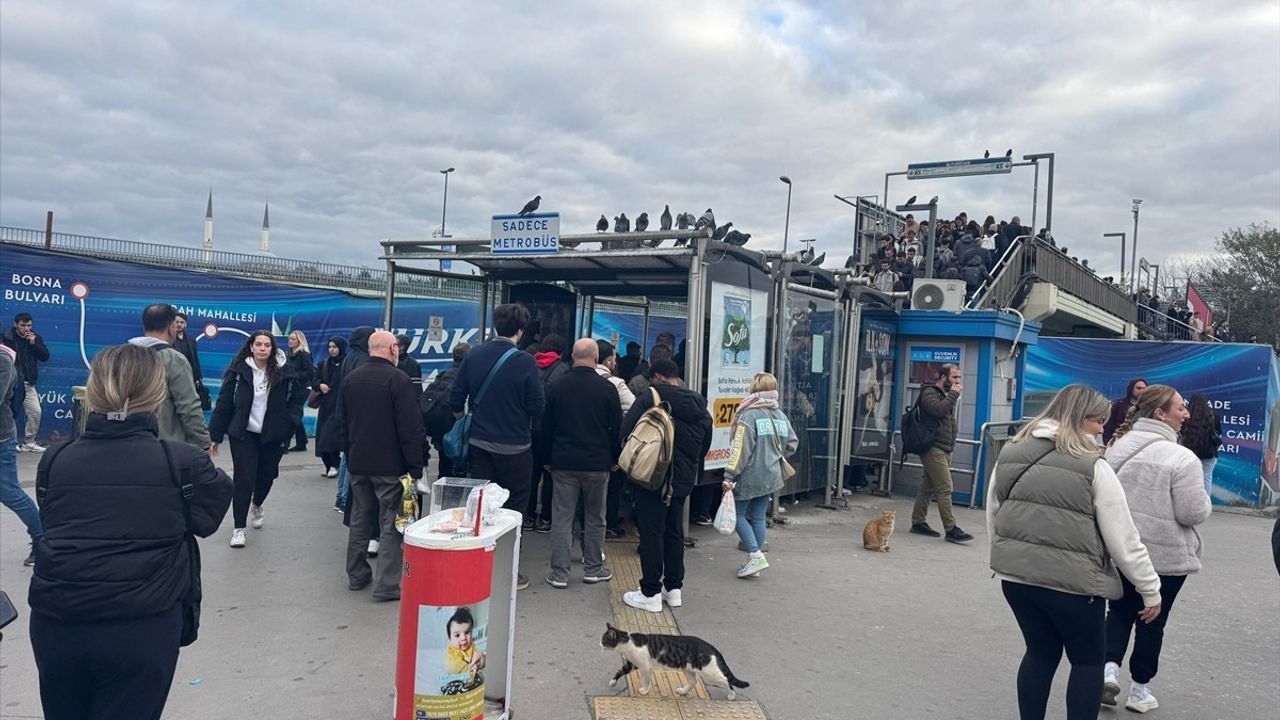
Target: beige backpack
(649,449)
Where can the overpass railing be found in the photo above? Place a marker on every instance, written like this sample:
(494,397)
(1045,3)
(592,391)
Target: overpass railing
(1034,260)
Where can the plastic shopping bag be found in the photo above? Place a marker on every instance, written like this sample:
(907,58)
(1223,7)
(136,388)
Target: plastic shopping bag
(727,515)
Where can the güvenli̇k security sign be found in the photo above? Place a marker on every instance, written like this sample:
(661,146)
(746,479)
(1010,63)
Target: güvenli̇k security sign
(533,234)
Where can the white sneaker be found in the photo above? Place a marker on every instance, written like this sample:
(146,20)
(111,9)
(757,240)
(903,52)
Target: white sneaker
(672,598)
(33,447)
(754,564)
(1140,699)
(333,472)
(237,538)
(640,601)
(256,516)
(1110,684)
(373,548)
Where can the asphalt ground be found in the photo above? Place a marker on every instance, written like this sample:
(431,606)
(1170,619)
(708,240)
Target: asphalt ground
(828,631)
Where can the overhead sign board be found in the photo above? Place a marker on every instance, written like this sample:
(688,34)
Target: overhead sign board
(532,234)
(959,168)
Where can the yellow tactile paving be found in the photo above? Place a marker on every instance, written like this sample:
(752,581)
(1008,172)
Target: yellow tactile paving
(662,702)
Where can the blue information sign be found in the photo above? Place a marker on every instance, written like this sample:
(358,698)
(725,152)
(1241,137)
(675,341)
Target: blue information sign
(935,354)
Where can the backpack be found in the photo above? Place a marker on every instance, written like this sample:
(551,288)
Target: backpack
(650,448)
(437,416)
(918,429)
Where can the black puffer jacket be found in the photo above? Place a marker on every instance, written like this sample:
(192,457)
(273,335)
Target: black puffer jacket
(235,400)
(300,361)
(693,433)
(115,544)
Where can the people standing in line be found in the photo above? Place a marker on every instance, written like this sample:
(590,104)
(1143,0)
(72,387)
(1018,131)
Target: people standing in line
(30,349)
(551,367)
(116,588)
(180,417)
(438,420)
(1164,485)
(607,367)
(761,438)
(259,405)
(408,365)
(661,524)
(580,439)
(639,385)
(185,344)
(326,381)
(1120,407)
(939,402)
(1060,528)
(357,355)
(11,493)
(300,360)
(632,363)
(383,435)
(1202,434)
(502,425)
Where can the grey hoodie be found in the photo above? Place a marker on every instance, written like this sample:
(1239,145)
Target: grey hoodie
(7,377)
(180,418)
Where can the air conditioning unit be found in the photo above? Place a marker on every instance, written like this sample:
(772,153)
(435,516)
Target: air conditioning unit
(929,294)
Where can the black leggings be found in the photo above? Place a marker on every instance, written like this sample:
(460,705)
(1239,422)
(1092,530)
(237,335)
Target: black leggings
(1050,621)
(255,467)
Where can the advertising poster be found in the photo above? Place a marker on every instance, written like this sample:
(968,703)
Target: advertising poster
(877,350)
(80,305)
(452,654)
(736,352)
(1233,377)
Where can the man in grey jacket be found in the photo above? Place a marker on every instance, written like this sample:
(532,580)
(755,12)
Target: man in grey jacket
(11,494)
(180,418)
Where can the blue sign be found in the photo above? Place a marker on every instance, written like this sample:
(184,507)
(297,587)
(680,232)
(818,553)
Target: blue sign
(959,168)
(533,234)
(935,354)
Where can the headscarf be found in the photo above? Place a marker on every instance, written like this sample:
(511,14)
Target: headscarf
(341,342)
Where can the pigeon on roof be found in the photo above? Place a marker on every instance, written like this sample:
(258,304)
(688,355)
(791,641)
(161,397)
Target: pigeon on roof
(911,200)
(721,231)
(621,224)
(733,237)
(642,222)
(665,218)
(708,219)
(602,225)
(531,206)
(684,220)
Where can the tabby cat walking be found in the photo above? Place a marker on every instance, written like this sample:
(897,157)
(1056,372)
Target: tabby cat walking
(647,653)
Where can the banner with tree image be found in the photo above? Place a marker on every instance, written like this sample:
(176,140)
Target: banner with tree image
(736,352)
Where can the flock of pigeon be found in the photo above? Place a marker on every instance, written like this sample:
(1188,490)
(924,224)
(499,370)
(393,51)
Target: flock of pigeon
(682,221)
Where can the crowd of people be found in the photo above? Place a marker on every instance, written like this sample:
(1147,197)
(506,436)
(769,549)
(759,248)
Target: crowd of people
(1175,320)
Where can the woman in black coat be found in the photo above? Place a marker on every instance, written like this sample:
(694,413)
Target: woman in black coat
(259,405)
(325,381)
(300,361)
(116,586)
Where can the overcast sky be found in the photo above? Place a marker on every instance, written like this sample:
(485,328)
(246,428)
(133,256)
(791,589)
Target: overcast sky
(120,116)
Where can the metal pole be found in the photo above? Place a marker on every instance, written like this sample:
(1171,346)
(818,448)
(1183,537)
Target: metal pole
(933,238)
(1133,265)
(1122,251)
(1048,201)
(786,225)
(48,230)
(1035,197)
(391,295)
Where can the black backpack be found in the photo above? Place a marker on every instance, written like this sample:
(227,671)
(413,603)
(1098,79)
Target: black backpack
(918,429)
(437,417)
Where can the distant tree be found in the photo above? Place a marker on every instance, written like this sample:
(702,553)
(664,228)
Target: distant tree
(1242,282)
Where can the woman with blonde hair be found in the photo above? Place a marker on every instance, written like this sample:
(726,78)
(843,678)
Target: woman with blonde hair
(1164,484)
(300,360)
(1060,529)
(762,438)
(116,588)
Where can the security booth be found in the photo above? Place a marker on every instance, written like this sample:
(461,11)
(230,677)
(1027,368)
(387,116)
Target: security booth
(989,347)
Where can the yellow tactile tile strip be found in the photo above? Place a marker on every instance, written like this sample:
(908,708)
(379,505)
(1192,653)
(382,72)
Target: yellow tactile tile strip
(662,702)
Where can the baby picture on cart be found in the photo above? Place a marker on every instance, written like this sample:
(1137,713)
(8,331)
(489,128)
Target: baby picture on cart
(457,636)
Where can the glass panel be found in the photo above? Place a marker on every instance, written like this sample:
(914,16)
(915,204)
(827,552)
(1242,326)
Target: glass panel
(810,381)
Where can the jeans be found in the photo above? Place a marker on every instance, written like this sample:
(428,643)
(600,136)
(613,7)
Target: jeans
(344,480)
(1051,620)
(375,501)
(751,521)
(570,485)
(106,668)
(1148,638)
(255,467)
(12,494)
(31,403)
(19,414)
(512,472)
(935,482)
(1207,466)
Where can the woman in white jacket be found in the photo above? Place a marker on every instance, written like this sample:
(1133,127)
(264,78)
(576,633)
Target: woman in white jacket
(1164,484)
(1062,539)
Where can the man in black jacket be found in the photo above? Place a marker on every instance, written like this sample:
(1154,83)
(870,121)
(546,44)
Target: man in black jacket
(383,432)
(31,351)
(357,355)
(408,365)
(185,344)
(580,439)
(661,525)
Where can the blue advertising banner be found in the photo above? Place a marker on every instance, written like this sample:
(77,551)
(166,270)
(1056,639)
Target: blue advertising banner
(1240,382)
(80,305)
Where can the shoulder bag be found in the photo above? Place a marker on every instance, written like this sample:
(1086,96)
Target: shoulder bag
(457,440)
(788,471)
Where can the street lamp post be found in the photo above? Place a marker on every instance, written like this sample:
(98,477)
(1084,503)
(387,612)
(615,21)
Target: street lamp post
(444,209)
(1122,237)
(1133,265)
(786,226)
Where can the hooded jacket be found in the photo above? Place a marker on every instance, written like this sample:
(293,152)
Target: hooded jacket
(116,537)
(8,379)
(693,433)
(235,402)
(1164,485)
(329,372)
(180,418)
(1119,410)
